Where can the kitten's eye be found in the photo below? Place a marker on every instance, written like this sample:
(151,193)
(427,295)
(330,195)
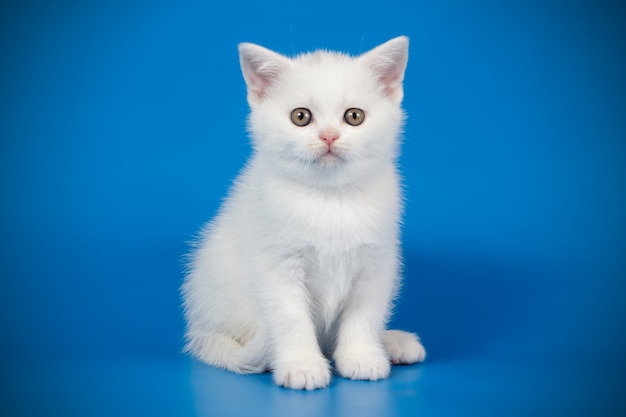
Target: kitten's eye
(354,116)
(301,116)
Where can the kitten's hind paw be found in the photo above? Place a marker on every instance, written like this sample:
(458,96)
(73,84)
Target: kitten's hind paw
(307,373)
(403,347)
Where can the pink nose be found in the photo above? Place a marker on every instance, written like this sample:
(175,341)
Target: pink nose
(329,136)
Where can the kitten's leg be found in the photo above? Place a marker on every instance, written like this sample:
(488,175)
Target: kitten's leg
(360,353)
(297,360)
(403,347)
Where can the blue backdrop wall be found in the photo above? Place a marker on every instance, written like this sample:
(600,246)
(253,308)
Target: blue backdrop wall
(123,123)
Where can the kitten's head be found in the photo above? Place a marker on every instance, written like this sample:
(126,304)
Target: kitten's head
(325,118)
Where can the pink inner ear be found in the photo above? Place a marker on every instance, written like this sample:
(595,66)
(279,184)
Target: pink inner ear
(257,81)
(391,79)
(392,83)
(390,71)
(257,86)
(388,62)
(259,77)
(391,91)
(261,67)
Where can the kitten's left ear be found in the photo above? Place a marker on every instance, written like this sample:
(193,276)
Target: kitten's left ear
(261,67)
(388,62)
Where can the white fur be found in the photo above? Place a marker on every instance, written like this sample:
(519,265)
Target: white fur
(301,263)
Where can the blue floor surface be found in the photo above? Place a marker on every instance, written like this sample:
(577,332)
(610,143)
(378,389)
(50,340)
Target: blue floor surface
(478,386)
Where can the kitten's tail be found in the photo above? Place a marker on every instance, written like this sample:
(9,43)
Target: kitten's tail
(222,351)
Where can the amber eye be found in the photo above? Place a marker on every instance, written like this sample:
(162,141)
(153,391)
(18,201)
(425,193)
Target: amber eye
(301,116)
(354,116)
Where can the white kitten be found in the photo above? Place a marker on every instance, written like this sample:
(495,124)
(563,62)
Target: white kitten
(302,259)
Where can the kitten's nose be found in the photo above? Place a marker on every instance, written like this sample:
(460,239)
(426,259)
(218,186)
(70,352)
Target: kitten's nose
(329,136)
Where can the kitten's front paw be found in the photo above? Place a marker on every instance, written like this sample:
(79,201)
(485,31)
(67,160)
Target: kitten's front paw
(363,364)
(308,373)
(403,347)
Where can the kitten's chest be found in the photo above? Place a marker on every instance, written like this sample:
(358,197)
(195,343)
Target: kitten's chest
(329,278)
(340,219)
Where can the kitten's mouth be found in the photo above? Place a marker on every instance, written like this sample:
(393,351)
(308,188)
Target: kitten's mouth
(329,157)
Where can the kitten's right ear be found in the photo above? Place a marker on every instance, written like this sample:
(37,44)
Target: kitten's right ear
(261,68)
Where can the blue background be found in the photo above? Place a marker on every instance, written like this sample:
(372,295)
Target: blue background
(122,124)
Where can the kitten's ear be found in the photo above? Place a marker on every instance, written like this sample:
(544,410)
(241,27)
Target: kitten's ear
(388,62)
(261,67)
